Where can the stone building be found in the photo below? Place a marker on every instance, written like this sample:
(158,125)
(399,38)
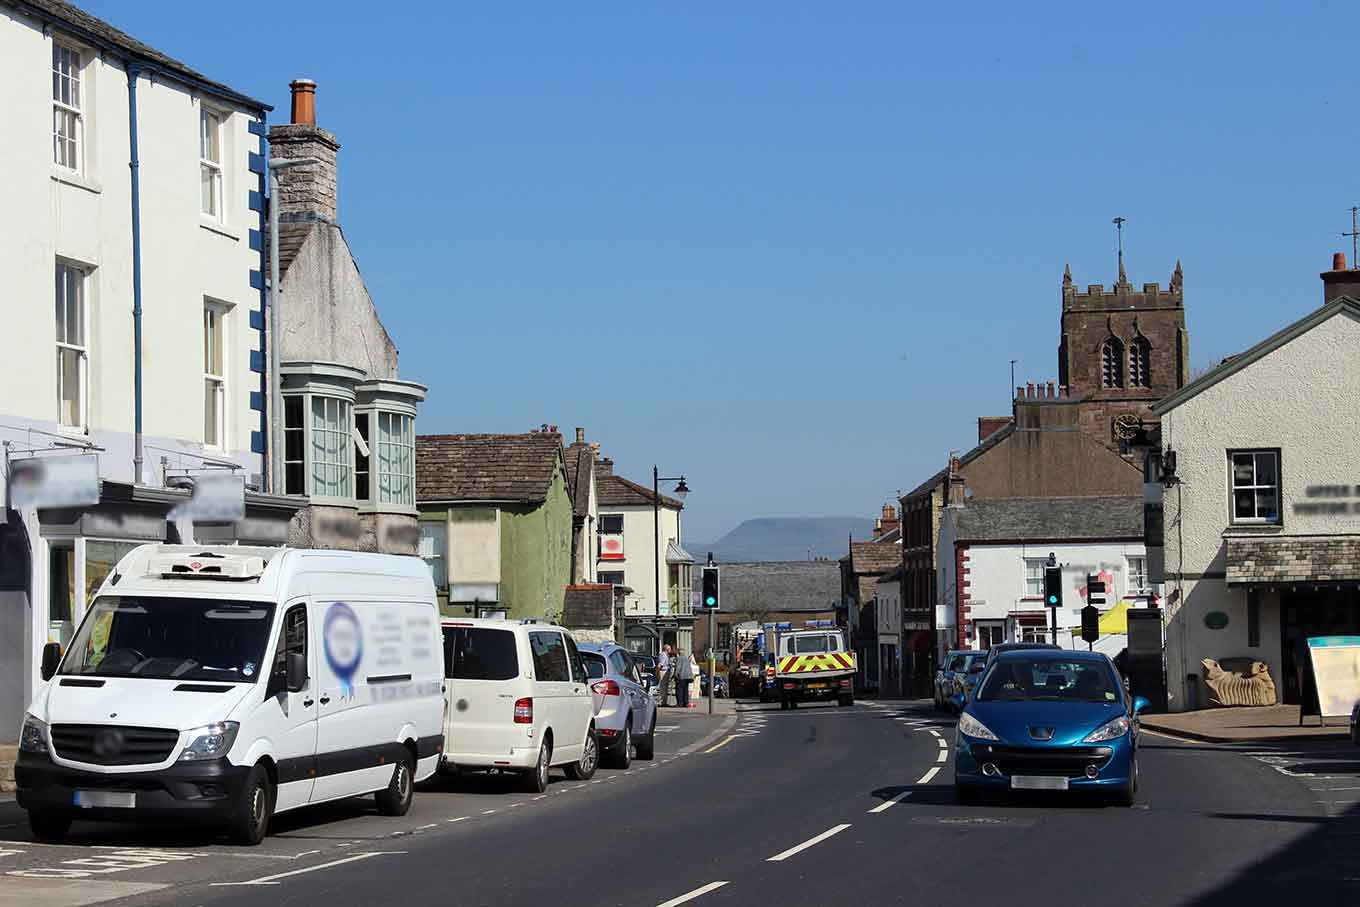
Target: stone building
(348,417)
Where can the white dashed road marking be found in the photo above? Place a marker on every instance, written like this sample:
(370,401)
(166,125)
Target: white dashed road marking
(691,895)
(810,842)
(273,880)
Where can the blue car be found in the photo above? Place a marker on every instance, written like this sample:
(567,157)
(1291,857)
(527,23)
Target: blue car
(1048,719)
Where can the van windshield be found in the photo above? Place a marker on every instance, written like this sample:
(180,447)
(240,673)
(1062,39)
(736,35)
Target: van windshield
(171,639)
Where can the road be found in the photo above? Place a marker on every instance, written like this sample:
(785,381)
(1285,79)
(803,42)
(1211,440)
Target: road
(822,805)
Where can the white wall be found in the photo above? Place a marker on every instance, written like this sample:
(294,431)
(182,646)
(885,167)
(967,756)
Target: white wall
(87,219)
(1300,398)
(640,564)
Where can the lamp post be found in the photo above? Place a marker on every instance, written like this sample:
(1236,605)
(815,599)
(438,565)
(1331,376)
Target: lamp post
(274,443)
(680,491)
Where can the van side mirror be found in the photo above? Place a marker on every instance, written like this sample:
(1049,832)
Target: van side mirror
(296,671)
(1140,703)
(51,657)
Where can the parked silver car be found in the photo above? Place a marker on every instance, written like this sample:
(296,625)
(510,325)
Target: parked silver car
(625,712)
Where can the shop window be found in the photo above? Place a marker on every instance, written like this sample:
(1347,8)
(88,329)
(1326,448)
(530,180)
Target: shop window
(1255,477)
(100,559)
(61,593)
(990,634)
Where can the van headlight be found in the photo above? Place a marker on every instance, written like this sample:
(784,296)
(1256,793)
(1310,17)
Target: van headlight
(33,736)
(210,742)
(1110,730)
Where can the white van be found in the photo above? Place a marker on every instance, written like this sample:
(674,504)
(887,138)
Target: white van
(230,683)
(518,700)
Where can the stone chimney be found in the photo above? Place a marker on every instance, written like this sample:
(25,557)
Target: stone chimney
(888,522)
(954,485)
(1340,280)
(306,193)
(580,435)
(605,467)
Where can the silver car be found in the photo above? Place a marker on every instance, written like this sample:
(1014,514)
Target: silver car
(625,712)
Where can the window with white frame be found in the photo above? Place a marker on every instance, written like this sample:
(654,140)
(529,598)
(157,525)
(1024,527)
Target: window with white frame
(330,447)
(214,375)
(396,459)
(73,353)
(1138,581)
(1033,633)
(1034,577)
(434,545)
(210,161)
(1255,478)
(67,110)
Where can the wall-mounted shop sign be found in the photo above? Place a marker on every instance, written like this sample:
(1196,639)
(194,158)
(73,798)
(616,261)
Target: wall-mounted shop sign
(1329,499)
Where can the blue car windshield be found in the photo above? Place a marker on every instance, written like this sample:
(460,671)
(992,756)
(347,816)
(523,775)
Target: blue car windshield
(1039,678)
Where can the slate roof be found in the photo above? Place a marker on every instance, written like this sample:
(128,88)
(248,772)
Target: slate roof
(1287,560)
(1051,519)
(781,585)
(616,491)
(875,557)
(588,606)
(580,462)
(81,24)
(501,468)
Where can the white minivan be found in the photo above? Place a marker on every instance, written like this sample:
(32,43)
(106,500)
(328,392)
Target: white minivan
(518,700)
(231,683)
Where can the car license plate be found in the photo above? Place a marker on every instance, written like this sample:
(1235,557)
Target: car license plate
(105,799)
(1037,782)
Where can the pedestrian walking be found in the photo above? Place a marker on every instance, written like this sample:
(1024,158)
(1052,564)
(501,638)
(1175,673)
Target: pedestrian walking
(666,669)
(684,676)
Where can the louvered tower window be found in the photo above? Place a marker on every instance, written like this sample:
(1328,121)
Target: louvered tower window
(1112,363)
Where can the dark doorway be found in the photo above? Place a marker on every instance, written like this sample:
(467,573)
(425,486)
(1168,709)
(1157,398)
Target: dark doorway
(1315,612)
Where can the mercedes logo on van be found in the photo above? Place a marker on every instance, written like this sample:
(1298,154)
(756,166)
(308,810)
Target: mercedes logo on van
(108,743)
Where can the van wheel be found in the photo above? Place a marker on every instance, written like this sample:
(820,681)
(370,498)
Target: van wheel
(253,810)
(395,799)
(49,826)
(622,754)
(584,768)
(536,778)
(646,746)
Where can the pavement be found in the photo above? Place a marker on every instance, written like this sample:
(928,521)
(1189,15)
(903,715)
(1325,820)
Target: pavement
(1249,724)
(819,805)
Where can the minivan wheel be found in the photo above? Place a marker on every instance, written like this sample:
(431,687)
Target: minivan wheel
(536,778)
(395,799)
(583,769)
(622,754)
(49,826)
(251,822)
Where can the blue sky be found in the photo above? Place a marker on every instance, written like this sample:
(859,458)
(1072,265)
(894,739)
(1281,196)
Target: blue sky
(789,248)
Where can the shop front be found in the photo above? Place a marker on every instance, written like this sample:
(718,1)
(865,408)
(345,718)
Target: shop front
(52,561)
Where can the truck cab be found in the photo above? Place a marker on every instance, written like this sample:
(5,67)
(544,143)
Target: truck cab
(810,662)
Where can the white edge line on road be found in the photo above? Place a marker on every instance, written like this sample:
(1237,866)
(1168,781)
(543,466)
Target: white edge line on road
(457,819)
(691,895)
(798,848)
(925,779)
(272,880)
(893,802)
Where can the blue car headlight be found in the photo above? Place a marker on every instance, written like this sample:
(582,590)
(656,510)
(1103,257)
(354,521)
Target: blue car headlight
(971,727)
(1110,730)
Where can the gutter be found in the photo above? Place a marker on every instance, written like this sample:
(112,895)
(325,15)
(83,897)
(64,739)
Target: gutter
(134,164)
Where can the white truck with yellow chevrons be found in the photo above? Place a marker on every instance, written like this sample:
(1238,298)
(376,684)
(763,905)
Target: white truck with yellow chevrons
(810,662)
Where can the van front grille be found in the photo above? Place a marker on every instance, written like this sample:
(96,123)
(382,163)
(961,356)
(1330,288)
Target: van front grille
(111,744)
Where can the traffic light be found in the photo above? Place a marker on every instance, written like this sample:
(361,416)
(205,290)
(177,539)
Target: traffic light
(1095,591)
(1090,623)
(710,589)
(1053,594)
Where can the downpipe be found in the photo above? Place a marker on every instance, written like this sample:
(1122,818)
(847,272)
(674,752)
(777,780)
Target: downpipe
(134,165)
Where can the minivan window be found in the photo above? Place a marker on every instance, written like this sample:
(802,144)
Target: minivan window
(171,638)
(578,671)
(550,656)
(474,653)
(595,666)
(619,662)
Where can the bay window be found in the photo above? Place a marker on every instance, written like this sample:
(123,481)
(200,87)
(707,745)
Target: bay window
(396,459)
(330,447)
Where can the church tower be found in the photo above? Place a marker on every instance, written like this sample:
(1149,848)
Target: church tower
(1120,351)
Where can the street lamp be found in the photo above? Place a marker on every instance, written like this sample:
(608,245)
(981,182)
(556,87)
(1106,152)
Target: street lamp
(681,490)
(274,475)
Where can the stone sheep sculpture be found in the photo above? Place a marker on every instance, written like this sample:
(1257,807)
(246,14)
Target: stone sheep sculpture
(1229,688)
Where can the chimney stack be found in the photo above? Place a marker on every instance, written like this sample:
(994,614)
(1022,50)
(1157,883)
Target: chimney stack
(306,193)
(888,522)
(605,467)
(580,435)
(954,484)
(1340,280)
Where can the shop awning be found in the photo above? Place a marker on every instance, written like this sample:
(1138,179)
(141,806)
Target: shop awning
(1272,561)
(1115,620)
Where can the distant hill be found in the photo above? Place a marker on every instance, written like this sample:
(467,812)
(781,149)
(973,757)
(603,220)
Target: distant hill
(786,539)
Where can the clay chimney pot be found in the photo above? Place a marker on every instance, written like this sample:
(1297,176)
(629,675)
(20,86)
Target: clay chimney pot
(1338,261)
(304,102)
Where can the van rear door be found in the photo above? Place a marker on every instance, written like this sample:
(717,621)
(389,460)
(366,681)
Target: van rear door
(482,665)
